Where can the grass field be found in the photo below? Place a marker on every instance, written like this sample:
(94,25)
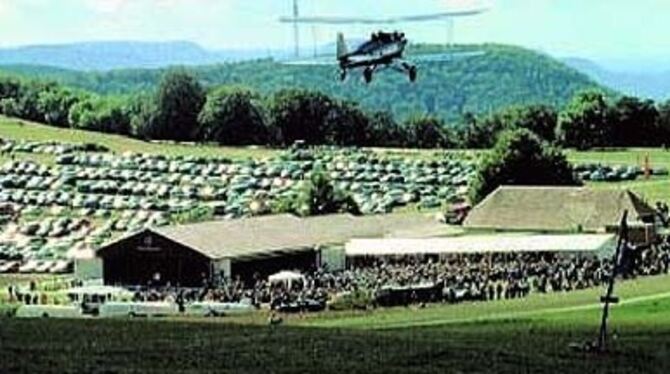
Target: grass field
(655,189)
(16,129)
(585,301)
(22,130)
(523,342)
(529,335)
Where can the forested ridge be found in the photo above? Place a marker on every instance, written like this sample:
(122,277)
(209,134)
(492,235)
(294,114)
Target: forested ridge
(500,77)
(466,103)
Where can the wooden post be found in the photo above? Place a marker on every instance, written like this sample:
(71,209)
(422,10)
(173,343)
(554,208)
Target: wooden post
(609,297)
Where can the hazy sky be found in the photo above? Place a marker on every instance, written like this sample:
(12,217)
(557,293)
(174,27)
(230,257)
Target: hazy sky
(597,29)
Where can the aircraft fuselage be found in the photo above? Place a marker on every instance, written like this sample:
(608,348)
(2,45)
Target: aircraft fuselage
(373,53)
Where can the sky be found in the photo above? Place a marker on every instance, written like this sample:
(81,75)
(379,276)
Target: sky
(612,31)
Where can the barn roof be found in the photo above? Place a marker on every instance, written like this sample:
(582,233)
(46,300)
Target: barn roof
(520,208)
(266,235)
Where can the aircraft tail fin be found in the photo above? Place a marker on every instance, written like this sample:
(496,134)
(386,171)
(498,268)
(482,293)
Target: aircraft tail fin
(341,46)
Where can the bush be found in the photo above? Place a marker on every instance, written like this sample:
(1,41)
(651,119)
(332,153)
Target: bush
(357,300)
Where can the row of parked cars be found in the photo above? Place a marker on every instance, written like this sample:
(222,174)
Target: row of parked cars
(53,148)
(613,173)
(113,302)
(36,267)
(123,193)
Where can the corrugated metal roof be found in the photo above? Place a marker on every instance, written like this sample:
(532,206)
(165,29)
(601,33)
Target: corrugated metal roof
(481,244)
(260,236)
(555,209)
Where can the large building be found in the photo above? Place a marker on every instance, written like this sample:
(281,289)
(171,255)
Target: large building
(187,255)
(559,209)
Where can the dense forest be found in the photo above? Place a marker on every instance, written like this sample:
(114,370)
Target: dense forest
(499,77)
(182,109)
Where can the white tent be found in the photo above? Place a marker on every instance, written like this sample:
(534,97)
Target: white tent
(97,290)
(287,277)
(482,244)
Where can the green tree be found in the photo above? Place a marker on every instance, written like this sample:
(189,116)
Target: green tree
(10,88)
(478,133)
(384,131)
(426,132)
(144,116)
(663,123)
(586,122)
(636,123)
(233,116)
(540,119)
(319,196)
(300,115)
(347,125)
(26,104)
(54,105)
(521,158)
(482,133)
(179,99)
(104,114)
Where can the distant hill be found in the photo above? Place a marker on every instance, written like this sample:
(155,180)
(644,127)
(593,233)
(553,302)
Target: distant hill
(120,55)
(654,85)
(502,76)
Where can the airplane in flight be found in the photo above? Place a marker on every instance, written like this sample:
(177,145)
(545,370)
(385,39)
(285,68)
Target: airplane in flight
(383,51)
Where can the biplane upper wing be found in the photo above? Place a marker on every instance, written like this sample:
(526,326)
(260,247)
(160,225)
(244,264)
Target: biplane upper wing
(381,21)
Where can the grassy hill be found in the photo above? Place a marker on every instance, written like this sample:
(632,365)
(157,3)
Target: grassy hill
(500,77)
(16,129)
(537,343)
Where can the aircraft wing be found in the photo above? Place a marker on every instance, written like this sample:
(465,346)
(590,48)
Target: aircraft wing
(445,56)
(381,21)
(317,61)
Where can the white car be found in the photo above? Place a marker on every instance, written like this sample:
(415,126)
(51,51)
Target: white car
(44,267)
(214,309)
(29,267)
(9,267)
(138,309)
(61,267)
(48,311)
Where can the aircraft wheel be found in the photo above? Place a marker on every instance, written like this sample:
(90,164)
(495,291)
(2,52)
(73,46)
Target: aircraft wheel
(367,74)
(412,74)
(343,75)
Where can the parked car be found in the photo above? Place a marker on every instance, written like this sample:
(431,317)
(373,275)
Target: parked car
(136,309)
(10,267)
(61,267)
(48,311)
(214,309)
(29,267)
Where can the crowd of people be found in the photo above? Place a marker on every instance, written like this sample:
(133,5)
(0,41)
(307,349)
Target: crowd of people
(451,278)
(482,277)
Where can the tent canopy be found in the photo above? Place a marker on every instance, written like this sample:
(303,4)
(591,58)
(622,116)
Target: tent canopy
(285,276)
(595,243)
(97,290)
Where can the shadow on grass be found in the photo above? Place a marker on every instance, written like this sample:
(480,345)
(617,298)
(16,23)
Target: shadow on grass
(159,346)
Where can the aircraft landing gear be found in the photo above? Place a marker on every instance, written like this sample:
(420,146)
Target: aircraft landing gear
(367,75)
(343,75)
(412,72)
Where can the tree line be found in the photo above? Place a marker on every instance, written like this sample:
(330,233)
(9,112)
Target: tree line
(181,109)
(498,76)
